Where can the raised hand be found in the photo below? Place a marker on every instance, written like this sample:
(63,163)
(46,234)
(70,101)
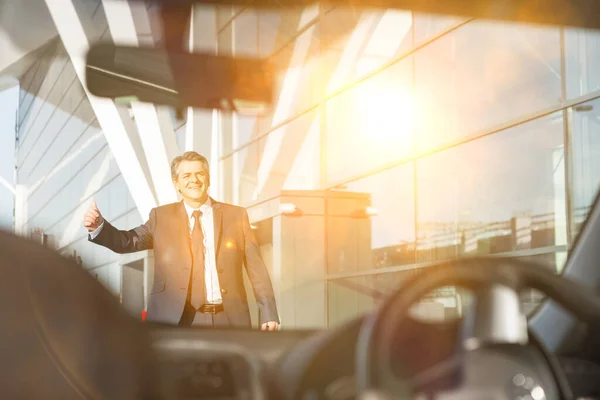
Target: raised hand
(92,218)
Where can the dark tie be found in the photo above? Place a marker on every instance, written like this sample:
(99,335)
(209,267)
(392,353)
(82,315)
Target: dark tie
(198,288)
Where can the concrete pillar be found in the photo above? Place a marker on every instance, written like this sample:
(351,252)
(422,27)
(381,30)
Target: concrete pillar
(296,257)
(148,277)
(560,205)
(21,214)
(521,232)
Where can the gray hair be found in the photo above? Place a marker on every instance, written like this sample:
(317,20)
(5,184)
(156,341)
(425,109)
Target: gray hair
(187,156)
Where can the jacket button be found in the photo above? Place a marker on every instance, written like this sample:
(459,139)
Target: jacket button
(224,291)
(220,270)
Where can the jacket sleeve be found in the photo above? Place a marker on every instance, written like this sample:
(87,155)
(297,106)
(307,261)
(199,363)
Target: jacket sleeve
(258,274)
(121,242)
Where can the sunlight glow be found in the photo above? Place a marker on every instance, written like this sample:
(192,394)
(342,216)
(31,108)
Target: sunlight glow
(385,115)
(287,208)
(392,29)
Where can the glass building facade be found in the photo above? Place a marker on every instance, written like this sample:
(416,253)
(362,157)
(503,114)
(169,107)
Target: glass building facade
(464,137)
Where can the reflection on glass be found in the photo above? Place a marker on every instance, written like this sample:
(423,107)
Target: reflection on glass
(245,34)
(225,35)
(481,75)
(371,222)
(297,79)
(428,26)
(351,297)
(501,193)
(245,128)
(278,27)
(585,131)
(245,165)
(371,125)
(358,42)
(287,159)
(582,59)
(224,16)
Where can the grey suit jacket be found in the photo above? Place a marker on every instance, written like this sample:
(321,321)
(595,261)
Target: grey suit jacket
(167,232)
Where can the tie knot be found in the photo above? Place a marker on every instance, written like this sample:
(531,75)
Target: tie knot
(197,214)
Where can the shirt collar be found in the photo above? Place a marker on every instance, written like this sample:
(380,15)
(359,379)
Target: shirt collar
(204,207)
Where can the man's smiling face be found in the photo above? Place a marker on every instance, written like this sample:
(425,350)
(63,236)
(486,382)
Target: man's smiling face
(193,180)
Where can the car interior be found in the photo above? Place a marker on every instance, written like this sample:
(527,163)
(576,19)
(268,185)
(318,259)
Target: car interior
(70,338)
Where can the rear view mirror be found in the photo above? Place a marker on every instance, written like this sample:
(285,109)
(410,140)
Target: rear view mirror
(179,79)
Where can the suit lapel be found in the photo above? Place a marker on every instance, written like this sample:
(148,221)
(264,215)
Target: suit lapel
(184,224)
(218,221)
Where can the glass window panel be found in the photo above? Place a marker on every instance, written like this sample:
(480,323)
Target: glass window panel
(338,24)
(226,129)
(277,28)
(356,43)
(582,59)
(428,26)
(297,85)
(371,125)
(224,16)
(180,138)
(585,131)
(289,158)
(245,33)
(226,180)
(371,222)
(236,130)
(501,193)
(483,75)
(245,128)
(245,167)
(225,41)
(269,32)
(351,297)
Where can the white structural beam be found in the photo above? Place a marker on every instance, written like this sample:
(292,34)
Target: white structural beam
(283,146)
(24,26)
(4,183)
(287,101)
(201,133)
(21,211)
(203,38)
(153,123)
(74,38)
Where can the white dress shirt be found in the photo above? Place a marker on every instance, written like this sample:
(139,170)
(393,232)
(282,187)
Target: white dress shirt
(211,277)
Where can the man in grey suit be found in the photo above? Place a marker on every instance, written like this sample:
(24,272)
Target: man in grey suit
(199,248)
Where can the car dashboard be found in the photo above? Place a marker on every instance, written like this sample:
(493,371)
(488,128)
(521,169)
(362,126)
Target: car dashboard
(224,365)
(254,365)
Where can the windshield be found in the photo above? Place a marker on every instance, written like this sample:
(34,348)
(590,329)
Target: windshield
(396,139)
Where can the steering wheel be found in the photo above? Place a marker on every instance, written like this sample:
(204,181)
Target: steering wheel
(498,342)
